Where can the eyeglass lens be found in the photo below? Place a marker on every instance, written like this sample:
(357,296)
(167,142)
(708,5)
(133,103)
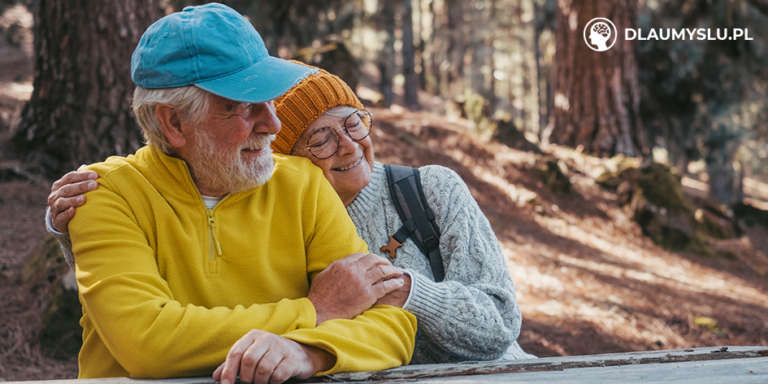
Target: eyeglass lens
(325,142)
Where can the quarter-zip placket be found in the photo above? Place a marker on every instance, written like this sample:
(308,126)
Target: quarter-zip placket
(214,265)
(215,248)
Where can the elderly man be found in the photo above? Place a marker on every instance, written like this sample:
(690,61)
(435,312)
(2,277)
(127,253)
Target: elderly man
(200,248)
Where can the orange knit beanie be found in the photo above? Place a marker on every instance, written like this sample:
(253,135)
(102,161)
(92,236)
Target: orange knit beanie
(305,102)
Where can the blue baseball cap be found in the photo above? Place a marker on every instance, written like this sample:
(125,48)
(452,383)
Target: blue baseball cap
(214,48)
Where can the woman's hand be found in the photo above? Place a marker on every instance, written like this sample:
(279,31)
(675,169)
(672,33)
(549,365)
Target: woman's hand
(67,194)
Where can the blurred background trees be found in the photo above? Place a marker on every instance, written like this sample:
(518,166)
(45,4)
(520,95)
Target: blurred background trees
(705,102)
(699,105)
(80,107)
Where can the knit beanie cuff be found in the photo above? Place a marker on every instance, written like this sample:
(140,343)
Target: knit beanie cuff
(305,102)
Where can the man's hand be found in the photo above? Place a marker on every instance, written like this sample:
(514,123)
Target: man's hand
(67,194)
(262,357)
(348,287)
(398,297)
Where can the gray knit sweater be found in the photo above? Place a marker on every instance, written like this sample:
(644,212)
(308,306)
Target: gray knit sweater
(472,314)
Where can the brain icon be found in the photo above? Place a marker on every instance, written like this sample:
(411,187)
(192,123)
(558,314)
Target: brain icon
(602,28)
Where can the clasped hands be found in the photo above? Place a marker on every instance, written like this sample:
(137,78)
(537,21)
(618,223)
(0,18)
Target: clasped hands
(345,289)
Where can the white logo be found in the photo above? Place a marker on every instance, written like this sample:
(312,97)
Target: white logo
(600,31)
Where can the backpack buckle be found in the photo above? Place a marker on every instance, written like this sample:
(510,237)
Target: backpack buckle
(431,242)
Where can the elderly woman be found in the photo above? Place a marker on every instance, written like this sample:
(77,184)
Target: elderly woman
(473,313)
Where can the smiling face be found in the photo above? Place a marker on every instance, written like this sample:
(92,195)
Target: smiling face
(349,169)
(230,149)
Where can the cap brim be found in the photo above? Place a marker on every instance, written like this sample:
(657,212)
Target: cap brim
(263,81)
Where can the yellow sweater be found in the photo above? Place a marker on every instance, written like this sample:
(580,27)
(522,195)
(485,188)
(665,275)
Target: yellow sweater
(167,286)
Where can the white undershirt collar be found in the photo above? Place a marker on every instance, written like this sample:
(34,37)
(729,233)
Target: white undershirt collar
(211,201)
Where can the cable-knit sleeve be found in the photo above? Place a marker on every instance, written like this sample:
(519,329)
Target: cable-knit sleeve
(63,238)
(473,314)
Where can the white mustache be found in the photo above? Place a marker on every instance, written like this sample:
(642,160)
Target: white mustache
(258,141)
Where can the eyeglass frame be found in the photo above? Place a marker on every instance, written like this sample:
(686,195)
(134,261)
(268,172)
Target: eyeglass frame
(338,137)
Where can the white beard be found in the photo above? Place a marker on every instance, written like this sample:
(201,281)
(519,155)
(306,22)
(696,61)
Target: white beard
(228,171)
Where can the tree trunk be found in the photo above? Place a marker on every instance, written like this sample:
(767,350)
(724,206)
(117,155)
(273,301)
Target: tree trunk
(411,79)
(491,96)
(597,96)
(418,37)
(740,176)
(722,144)
(537,110)
(386,58)
(80,107)
(455,48)
(437,48)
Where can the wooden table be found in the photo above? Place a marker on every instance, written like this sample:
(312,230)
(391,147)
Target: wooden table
(695,366)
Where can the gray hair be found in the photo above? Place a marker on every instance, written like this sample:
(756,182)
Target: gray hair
(340,111)
(192,104)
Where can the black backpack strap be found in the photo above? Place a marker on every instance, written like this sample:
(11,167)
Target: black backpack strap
(427,209)
(418,219)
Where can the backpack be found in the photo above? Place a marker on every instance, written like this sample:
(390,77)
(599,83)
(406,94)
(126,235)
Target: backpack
(418,219)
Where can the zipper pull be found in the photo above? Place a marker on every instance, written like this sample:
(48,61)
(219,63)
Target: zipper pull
(212,225)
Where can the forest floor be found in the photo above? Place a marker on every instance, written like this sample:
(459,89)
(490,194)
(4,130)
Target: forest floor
(587,280)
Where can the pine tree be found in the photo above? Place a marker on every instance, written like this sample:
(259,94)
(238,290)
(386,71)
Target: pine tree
(79,111)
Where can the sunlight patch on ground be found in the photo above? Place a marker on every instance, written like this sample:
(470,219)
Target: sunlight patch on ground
(533,278)
(516,157)
(516,193)
(588,310)
(610,319)
(678,277)
(574,232)
(664,269)
(529,277)
(551,308)
(607,317)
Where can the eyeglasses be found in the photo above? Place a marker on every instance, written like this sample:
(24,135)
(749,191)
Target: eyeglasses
(325,142)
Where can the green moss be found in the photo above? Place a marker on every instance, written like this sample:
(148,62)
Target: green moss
(712,228)
(476,109)
(620,170)
(698,245)
(553,177)
(665,214)
(663,189)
